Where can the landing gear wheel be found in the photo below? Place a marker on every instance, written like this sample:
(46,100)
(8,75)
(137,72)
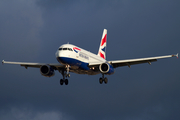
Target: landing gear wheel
(105,80)
(100,80)
(61,82)
(66,81)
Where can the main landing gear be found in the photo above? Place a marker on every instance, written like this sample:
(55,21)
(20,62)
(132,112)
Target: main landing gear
(65,74)
(103,79)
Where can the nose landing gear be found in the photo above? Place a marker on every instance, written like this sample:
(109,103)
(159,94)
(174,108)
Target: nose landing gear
(62,81)
(65,73)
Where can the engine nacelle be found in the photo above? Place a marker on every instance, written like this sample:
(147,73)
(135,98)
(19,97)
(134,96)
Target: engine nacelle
(106,68)
(47,71)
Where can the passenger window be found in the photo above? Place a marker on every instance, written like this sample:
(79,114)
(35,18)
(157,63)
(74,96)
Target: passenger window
(60,48)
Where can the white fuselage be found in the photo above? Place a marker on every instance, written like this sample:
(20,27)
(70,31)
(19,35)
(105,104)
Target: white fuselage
(78,59)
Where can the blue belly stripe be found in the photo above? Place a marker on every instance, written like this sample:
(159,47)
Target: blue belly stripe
(73,62)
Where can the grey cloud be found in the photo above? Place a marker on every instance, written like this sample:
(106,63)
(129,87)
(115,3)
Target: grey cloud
(29,114)
(20,24)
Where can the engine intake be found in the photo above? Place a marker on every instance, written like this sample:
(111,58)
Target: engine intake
(106,68)
(47,71)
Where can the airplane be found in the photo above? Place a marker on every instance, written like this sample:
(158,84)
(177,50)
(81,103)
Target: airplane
(74,59)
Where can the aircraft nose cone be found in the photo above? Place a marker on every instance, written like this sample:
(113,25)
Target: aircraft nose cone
(59,54)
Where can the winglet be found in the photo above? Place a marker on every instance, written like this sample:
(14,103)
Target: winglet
(175,55)
(2,62)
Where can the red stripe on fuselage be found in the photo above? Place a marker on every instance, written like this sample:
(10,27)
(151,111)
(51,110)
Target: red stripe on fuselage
(103,40)
(76,48)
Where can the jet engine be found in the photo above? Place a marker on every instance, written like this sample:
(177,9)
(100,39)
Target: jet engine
(106,68)
(47,71)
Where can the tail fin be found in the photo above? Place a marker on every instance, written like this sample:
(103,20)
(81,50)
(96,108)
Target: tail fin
(102,47)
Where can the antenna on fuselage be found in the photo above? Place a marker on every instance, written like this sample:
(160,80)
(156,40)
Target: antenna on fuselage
(68,43)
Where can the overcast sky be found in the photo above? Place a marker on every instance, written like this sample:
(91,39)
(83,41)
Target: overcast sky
(32,31)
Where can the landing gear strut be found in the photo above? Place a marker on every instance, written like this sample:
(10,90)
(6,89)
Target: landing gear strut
(65,73)
(103,79)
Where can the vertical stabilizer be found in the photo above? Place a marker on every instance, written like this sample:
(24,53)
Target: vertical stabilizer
(102,47)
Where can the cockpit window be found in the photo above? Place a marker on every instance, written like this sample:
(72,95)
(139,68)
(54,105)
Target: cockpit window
(70,49)
(66,49)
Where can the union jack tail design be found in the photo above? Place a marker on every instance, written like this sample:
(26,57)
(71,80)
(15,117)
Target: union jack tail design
(102,47)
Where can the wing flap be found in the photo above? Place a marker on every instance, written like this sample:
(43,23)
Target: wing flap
(121,64)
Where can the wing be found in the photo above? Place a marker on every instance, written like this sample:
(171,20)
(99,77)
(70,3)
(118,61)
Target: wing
(129,62)
(56,66)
